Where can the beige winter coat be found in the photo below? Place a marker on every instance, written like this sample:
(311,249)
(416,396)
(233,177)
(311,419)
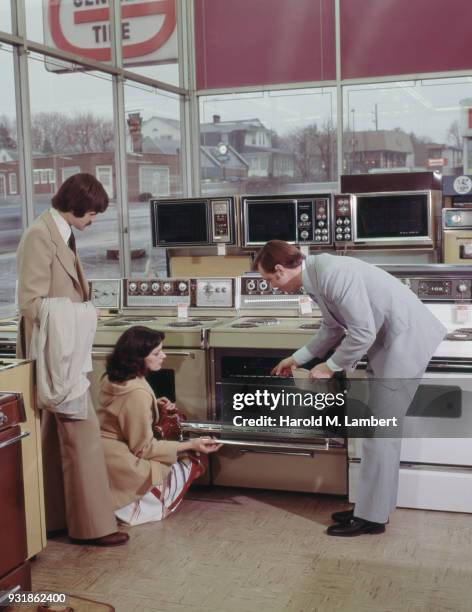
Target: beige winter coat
(135,460)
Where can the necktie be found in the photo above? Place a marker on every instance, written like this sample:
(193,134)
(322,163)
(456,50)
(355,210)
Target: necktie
(71,242)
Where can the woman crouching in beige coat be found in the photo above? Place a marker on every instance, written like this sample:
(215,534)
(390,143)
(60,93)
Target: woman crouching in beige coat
(147,477)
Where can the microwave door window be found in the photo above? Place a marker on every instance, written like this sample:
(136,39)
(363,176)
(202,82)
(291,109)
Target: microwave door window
(182,223)
(271,221)
(392,216)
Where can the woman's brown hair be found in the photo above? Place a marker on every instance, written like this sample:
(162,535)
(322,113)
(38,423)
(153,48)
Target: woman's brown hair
(127,359)
(79,194)
(278,252)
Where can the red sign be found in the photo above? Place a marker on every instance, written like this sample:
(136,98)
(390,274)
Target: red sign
(437,161)
(100,17)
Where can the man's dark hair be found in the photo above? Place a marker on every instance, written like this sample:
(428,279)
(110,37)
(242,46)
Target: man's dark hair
(127,359)
(278,252)
(79,194)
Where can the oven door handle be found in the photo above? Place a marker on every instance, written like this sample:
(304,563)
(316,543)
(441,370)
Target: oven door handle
(278,452)
(453,368)
(180,353)
(23,434)
(5,596)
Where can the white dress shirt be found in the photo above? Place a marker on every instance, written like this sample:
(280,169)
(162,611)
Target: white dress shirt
(62,225)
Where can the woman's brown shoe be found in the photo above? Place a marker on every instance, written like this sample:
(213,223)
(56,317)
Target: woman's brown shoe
(112,539)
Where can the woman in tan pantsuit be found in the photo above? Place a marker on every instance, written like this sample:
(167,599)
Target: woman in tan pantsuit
(76,485)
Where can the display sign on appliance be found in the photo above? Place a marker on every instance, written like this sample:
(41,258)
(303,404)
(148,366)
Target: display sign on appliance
(82,27)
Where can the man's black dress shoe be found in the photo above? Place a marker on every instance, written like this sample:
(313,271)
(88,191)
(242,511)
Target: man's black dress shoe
(354,527)
(343,516)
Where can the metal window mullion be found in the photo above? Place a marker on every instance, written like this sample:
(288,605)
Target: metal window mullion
(121,175)
(339,95)
(23,115)
(190,129)
(121,170)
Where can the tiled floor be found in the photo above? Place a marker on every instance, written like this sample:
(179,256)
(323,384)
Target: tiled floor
(238,550)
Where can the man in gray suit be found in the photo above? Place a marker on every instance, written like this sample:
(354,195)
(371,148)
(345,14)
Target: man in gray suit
(365,311)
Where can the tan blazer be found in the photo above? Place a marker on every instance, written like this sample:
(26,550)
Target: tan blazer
(135,460)
(77,492)
(46,268)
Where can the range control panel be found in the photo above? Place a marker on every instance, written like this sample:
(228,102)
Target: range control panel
(156,291)
(342,219)
(447,289)
(169,292)
(257,292)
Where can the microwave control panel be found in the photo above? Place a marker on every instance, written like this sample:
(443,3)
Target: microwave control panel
(342,219)
(314,223)
(448,289)
(221,220)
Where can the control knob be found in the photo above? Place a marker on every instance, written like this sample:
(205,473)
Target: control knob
(462,288)
(321,223)
(182,286)
(132,287)
(347,221)
(143,287)
(155,287)
(304,235)
(167,287)
(339,221)
(251,285)
(263,285)
(304,217)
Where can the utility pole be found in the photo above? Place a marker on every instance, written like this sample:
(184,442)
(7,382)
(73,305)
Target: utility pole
(375,112)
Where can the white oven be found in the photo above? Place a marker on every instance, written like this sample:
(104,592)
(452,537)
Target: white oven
(435,459)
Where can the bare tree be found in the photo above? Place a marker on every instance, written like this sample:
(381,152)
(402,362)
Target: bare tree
(454,136)
(7,130)
(81,133)
(314,150)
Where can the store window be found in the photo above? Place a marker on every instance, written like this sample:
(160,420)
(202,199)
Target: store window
(5,16)
(10,198)
(80,27)
(72,131)
(153,167)
(407,126)
(279,141)
(149,40)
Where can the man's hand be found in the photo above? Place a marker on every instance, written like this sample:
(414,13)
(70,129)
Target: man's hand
(321,371)
(284,367)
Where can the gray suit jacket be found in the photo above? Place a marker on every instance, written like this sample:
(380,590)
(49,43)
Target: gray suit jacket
(373,311)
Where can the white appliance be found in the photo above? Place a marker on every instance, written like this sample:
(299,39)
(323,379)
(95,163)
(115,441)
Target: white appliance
(436,472)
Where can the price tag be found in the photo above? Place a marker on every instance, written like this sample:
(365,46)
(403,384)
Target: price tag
(221,248)
(304,249)
(304,305)
(460,313)
(182,311)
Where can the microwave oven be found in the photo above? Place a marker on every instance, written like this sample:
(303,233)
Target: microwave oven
(192,222)
(298,219)
(384,219)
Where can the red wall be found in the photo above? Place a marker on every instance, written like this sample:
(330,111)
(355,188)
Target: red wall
(263,42)
(388,37)
(260,42)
